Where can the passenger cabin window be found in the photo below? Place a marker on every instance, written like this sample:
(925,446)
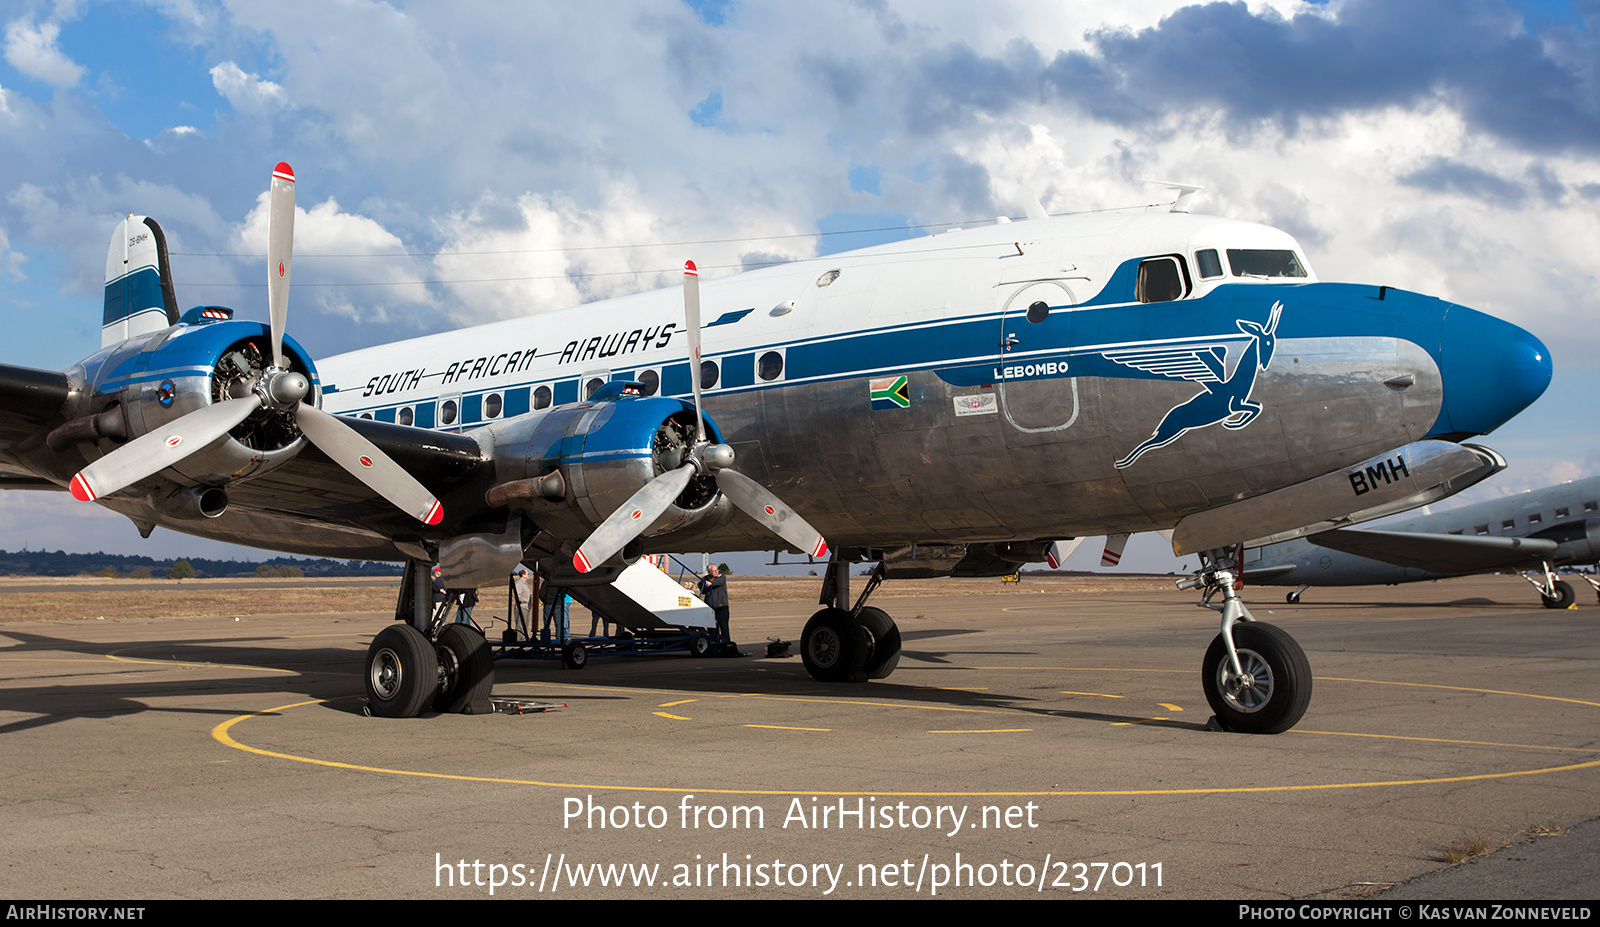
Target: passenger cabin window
(1263,263)
(448,411)
(1480,529)
(541,398)
(1563,513)
(1458,531)
(1161,280)
(1210,264)
(1508,524)
(651,381)
(1535,518)
(1590,506)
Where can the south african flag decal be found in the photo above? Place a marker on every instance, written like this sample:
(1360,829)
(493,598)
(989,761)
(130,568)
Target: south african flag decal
(890,393)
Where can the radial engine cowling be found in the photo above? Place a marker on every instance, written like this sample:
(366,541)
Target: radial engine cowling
(151,382)
(573,465)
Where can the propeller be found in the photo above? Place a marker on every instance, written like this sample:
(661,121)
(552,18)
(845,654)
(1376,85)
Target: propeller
(1059,551)
(716,460)
(279,388)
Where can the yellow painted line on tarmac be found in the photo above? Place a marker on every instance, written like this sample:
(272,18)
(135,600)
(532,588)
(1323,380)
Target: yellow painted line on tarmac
(673,717)
(1078,669)
(761,696)
(1131,723)
(115,657)
(1448,740)
(998,730)
(679,702)
(1168,706)
(222,734)
(1429,685)
(1096,694)
(779,727)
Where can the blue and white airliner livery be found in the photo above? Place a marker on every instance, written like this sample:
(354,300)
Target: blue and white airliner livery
(955,405)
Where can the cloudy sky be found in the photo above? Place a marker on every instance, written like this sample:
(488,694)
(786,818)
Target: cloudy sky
(460,163)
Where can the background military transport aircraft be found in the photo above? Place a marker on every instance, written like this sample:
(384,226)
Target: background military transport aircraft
(1534,532)
(981,394)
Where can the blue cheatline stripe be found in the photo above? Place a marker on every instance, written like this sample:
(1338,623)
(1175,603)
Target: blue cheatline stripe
(966,348)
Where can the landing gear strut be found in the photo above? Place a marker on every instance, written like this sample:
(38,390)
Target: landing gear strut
(1256,678)
(1554,593)
(426,663)
(849,644)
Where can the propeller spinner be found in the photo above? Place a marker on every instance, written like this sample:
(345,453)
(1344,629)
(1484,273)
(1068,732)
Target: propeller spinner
(715,460)
(279,388)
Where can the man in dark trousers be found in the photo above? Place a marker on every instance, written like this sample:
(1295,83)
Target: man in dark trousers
(714,590)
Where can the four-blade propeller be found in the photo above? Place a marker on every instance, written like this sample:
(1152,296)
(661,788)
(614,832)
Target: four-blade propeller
(715,460)
(279,388)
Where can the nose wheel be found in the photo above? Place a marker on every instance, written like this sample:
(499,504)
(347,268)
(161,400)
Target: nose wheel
(1256,678)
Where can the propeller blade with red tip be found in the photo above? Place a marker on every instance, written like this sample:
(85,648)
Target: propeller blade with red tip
(628,522)
(160,448)
(280,253)
(345,447)
(759,503)
(1059,551)
(691,317)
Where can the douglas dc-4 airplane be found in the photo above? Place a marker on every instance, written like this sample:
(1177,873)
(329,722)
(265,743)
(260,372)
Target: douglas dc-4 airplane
(956,404)
(1534,532)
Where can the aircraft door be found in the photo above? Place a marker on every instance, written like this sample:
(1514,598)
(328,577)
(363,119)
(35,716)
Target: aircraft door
(1036,393)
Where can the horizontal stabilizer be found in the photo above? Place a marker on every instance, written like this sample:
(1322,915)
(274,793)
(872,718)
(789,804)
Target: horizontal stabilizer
(1439,553)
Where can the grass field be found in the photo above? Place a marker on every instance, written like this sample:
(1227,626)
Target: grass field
(90,598)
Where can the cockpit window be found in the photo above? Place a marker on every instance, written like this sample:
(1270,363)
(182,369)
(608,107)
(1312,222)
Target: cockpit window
(1210,264)
(1263,263)
(1161,280)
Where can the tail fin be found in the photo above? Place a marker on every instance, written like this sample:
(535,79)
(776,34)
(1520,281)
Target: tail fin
(139,297)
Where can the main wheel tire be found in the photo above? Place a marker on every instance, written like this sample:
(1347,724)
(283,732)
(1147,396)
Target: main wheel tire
(1278,688)
(1564,596)
(574,655)
(699,644)
(833,647)
(883,642)
(402,672)
(468,669)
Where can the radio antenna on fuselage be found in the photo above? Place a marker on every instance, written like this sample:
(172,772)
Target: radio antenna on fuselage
(1186,192)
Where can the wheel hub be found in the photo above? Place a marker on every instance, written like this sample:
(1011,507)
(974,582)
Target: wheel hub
(1251,690)
(825,647)
(386,674)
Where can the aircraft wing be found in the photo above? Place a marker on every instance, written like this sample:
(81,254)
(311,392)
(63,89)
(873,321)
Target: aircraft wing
(1439,553)
(30,405)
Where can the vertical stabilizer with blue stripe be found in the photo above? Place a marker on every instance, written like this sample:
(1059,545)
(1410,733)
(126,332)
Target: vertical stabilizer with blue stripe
(139,297)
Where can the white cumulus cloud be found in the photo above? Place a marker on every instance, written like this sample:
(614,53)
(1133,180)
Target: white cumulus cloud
(32,50)
(246,91)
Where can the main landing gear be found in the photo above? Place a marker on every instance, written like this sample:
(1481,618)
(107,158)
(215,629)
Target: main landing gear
(1256,678)
(845,644)
(410,669)
(1554,593)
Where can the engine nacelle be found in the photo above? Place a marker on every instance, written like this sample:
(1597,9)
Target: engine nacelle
(603,452)
(150,381)
(1581,547)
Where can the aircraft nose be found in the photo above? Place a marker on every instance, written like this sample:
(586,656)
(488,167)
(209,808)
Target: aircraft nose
(1492,370)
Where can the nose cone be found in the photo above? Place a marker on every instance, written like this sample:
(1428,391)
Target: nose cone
(1492,370)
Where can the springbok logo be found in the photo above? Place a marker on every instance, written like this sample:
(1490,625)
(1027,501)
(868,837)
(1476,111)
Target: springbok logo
(1225,400)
